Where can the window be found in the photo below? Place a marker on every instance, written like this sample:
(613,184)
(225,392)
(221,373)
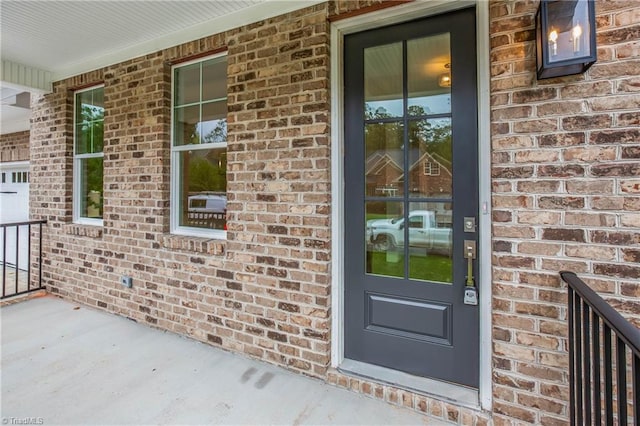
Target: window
(416,222)
(199,148)
(87,158)
(431,168)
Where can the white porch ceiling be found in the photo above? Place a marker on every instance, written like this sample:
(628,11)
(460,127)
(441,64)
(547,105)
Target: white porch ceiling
(65,38)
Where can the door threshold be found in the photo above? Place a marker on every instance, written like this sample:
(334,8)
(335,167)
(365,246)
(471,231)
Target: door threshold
(449,392)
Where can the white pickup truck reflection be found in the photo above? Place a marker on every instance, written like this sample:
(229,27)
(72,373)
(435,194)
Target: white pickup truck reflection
(207,211)
(386,234)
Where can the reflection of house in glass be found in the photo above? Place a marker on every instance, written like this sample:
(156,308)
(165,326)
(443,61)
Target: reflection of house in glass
(385,174)
(429,177)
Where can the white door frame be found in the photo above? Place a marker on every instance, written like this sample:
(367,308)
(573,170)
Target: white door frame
(392,15)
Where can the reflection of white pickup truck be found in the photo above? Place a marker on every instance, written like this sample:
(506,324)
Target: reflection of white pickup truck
(207,211)
(207,203)
(385,234)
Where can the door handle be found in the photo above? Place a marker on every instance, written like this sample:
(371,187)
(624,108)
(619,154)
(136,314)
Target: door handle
(470,254)
(470,289)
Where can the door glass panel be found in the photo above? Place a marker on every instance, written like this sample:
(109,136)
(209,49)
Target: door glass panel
(430,242)
(429,75)
(427,145)
(383,81)
(430,158)
(384,157)
(385,238)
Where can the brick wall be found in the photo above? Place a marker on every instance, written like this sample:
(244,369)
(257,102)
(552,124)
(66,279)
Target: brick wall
(565,196)
(566,186)
(265,291)
(14,147)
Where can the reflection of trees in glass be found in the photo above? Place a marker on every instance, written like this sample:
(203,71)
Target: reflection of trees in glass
(433,136)
(381,136)
(91,141)
(95,183)
(191,133)
(205,175)
(92,129)
(218,134)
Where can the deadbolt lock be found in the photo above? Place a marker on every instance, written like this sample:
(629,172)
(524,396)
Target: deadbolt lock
(470,224)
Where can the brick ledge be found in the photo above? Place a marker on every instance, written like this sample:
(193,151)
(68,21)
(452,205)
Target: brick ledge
(90,231)
(193,244)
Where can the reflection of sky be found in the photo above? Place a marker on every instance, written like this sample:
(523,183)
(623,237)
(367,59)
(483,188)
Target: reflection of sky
(207,127)
(436,104)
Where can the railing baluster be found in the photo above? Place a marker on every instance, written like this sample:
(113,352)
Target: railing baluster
(40,258)
(608,376)
(572,373)
(6,286)
(17,271)
(586,364)
(636,389)
(29,257)
(621,366)
(595,336)
(4,261)
(578,348)
(591,359)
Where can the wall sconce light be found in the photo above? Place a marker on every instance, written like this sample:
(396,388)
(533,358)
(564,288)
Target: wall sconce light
(565,37)
(445,79)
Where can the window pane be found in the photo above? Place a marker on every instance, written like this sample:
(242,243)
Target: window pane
(214,122)
(430,242)
(384,157)
(214,79)
(187,84)
(429,75)
(385,239)
(430,173)
(383,81)
(185,126)
(203,190)
(89,121)
(91,187)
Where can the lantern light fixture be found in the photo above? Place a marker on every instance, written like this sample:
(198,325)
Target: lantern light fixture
(565,37)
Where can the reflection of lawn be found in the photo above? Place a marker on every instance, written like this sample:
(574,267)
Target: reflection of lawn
(428,268)
(371,216)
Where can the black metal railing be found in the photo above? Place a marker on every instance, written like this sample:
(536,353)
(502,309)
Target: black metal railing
(17,260)
(604,360)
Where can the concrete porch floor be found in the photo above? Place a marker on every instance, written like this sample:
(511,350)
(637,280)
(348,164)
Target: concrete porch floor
(69,364)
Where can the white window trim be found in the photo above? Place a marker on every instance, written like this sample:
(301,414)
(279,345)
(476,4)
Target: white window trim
(174,216)
(76,170)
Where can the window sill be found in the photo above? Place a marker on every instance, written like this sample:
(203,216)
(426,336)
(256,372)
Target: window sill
(80,230)
(193,244)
